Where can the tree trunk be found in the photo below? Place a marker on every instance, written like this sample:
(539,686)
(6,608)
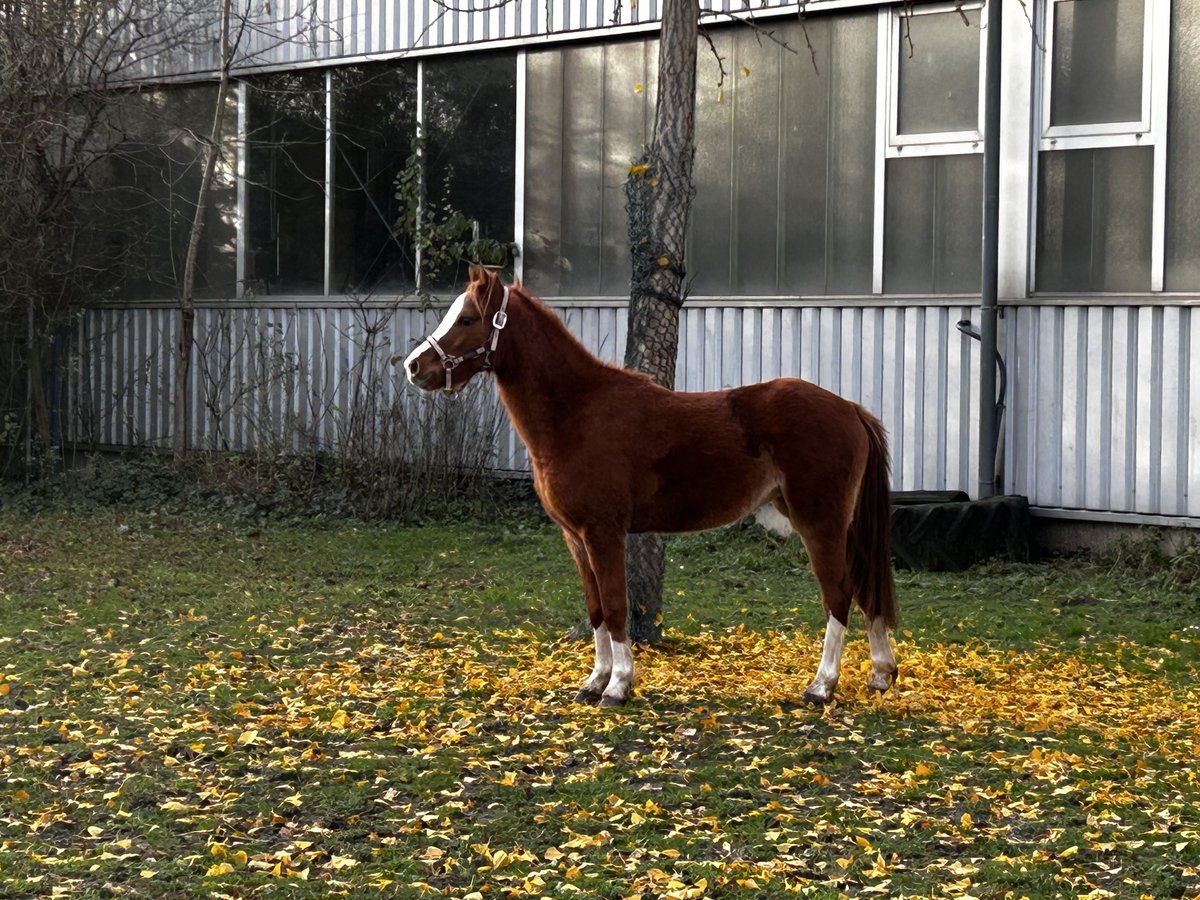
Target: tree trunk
(187,289)
(38,412)
(658,197)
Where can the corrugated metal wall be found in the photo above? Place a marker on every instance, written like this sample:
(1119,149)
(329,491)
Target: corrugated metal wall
(284,378)
(1105,410)
(291,32)
(1103,407)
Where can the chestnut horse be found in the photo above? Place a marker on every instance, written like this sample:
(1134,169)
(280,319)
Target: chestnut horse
(613,453)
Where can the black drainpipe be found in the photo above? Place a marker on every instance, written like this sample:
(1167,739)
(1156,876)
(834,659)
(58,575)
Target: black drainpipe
(989,429)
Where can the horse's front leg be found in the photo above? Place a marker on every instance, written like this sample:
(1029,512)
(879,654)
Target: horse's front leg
(606,551)
(593,688)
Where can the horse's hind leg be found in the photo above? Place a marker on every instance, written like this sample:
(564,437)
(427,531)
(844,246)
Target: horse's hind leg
(883,663)
(594,687)
(827,554)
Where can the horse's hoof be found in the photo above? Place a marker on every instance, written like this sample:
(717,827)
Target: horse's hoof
(588,695)
(881,681)
(818,696)
(609,700)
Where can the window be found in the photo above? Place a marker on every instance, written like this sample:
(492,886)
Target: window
(1101,196)
(375,126)
(933,164)
(784,164)
(285,175)
(469,123)
(589,111)
(785,161)
(154,181)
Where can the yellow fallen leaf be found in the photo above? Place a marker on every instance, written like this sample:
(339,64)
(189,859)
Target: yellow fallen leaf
(638,88)
(21,795)
(218,869)
(339,720)
(966,821)
(639,169)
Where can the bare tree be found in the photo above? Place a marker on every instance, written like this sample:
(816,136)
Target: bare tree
(659,195)
(62,63)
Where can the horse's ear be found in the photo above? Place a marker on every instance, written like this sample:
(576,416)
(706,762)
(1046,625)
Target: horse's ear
(475,273)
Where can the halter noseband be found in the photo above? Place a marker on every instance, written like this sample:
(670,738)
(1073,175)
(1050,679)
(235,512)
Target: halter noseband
(450,363)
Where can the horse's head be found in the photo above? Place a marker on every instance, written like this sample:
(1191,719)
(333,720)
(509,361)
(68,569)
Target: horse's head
(462,344)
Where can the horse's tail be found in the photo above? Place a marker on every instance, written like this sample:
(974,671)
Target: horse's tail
(870,549)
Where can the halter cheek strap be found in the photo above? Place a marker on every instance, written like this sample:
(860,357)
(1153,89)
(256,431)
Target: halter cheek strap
(450,363)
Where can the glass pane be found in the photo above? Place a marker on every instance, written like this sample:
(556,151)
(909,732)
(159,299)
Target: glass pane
(589,110)
(153,181)
(582,170)
(1094,219)
(1097,66)
(939,72)
(470,121)
(850,190)
(544,265)
(1183,153)
(756,161)
(285,173)
(375,124)
(933,225)
(790,212)
(710,235)
(628,121)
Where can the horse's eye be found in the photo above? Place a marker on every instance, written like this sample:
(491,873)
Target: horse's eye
(466,320)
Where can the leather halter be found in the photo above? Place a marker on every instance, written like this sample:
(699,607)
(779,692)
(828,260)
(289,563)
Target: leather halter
(450,363)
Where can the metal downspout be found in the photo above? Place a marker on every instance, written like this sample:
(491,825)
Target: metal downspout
(988,308)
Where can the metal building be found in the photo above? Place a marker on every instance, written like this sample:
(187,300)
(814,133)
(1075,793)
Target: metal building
(835,232)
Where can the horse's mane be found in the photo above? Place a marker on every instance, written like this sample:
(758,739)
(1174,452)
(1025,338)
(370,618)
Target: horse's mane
(552,321)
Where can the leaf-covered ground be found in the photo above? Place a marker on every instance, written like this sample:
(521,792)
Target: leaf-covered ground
(188,709)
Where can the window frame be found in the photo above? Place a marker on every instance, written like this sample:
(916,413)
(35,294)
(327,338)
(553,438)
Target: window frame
(1149,131)
(1099,134)
(935,143)
(891,145)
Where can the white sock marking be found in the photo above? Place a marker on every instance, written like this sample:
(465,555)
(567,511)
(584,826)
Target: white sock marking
(438,333)
(831,659)
(620,684)
(883,663)
(602,669)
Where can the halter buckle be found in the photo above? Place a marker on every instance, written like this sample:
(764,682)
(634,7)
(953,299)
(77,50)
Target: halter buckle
(499,320)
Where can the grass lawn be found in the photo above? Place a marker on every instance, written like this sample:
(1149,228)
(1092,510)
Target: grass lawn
(197,708)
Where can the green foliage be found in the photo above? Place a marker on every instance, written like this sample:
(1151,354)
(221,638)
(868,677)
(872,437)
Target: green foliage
(443,235)
(249,490)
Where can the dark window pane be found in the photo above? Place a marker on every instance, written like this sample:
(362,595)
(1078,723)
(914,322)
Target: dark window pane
(470,122)
(784,167)
(933,226)
(286,184)
(1097,67)
(375,124)
(153,184)
(589,111)
(1183,153)
(1094,219)
(829,166)
(939,72)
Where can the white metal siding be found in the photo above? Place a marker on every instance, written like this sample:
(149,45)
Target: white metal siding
(1105,407)
(295,32)
(279,377)
(1103,411)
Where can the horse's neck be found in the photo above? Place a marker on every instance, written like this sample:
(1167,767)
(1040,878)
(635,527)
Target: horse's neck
(543,373)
